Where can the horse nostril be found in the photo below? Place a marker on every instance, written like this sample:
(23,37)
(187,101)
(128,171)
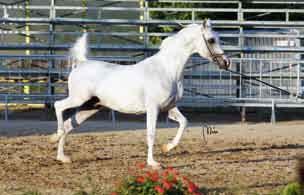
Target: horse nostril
(227,63)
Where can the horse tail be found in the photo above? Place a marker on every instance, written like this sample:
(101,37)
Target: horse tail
(78,53)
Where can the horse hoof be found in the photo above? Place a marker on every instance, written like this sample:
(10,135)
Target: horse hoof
(156,166)
(64,159)
(54,138)
(165,148)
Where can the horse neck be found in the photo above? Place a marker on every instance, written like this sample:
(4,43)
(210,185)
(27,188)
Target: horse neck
(174,61)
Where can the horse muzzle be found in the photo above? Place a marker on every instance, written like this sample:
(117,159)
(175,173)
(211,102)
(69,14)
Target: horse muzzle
(224,62)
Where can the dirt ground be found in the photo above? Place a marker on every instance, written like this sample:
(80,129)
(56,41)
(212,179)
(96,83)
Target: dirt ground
(254,158)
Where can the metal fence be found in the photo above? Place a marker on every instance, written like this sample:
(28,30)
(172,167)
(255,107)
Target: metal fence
(35,36)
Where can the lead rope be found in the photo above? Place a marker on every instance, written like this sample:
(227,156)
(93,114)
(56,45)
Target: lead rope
(265,83)
(214,57)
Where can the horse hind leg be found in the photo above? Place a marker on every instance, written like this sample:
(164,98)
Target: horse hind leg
(75,116)
(70,124)
(67,114)
(83,113)
(60,107)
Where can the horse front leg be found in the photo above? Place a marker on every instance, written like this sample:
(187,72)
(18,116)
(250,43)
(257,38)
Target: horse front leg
(176,115)
(152,114)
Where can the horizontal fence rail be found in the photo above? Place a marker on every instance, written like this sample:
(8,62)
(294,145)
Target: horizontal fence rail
(265,43)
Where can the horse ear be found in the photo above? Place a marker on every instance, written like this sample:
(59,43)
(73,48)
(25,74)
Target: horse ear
(206,23)
(209,22)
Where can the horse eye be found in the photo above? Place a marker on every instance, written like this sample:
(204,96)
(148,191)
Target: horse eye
(211,41)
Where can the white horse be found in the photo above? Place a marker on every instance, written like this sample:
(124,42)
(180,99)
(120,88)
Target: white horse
(150,86)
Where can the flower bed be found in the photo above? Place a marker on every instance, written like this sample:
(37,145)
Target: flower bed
(146,182)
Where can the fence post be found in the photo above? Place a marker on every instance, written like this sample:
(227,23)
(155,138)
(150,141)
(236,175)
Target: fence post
(6,109)
(26,88)
(243,114)
(273,115)
(51,61)
(167,121)
(113,117)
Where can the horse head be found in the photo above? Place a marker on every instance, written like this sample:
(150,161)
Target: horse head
(208,46)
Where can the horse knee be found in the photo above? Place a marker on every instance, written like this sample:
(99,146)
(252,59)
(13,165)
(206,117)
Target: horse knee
(57,105)
(55,137)
(184,122)
(150,137)
(68,125)
(172,115)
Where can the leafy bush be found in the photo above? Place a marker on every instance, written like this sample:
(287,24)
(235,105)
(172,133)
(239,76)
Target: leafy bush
(147,182)
(296,188)
(292,189)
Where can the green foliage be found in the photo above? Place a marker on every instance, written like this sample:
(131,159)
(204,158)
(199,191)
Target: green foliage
(170,15)
(173,15)
(293,189)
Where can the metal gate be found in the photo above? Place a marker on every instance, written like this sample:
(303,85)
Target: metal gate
(35,36)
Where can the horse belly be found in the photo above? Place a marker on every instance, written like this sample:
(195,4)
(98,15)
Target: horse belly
(125,99)
(124,104)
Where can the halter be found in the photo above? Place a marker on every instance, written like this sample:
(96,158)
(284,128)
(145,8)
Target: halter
(213,55)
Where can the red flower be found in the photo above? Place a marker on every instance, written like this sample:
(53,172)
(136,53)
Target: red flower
(165,174)
(172,178)
(140,179)
(172,171)
(167,185)
(153,176)
(140,165)
(114,193)
(159,189)
(192,187)
(185,179)
(169,168)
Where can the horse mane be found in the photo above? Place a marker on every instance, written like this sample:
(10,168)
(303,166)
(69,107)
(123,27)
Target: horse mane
(183,36)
